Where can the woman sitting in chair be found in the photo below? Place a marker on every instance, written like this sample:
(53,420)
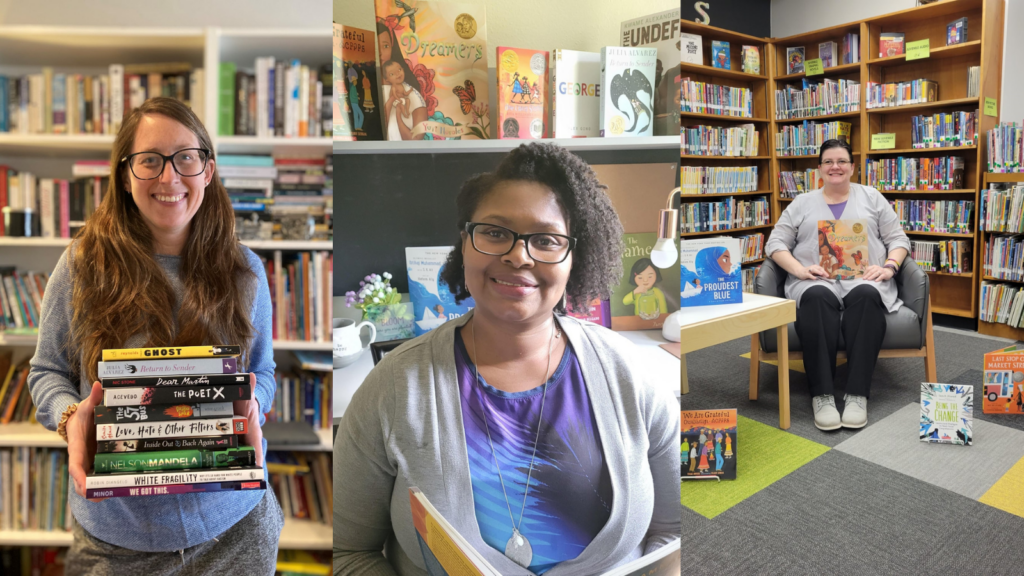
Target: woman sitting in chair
(821,297)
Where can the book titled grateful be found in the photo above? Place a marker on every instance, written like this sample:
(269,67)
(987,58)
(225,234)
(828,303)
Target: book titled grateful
(843,248)
(627,105)
(433,70)
(707,443)
(710,269)
(355,79)
(522,93)
(947,413)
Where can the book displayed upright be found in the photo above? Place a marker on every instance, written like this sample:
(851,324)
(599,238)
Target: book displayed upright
(691,49)
(827,53)
(720,56)
(1003,391)
(891,44)
(523,93)
(575,93)
(843,246)
(708,444)
(626,104)
(751,60)
(956,32)
(661,31)
(342,127)
(356,80)
(646,294)
(947,414)
(432,301)
(710,271)
(795,60)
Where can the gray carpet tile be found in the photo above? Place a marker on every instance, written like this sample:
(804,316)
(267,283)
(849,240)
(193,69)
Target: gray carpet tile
(841,515)
(970,471)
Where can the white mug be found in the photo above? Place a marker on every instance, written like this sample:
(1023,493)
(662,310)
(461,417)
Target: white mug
(348,342)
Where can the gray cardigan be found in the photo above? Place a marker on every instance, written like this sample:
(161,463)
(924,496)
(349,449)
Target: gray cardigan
(404,428)
(797,231)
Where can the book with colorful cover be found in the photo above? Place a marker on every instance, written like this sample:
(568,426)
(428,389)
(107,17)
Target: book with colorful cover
(1004,381)
(692,48)
(646,294)
(947,413)
(522,93)
(433,69)
(843,248)
(356,82)
(720,57)
(956,32)
(751,60)
(575,94)
(708,444)
(342,127)
(171,352)
(827,53)
(433,303)
(661,31)
(627,75)
(795,60)
(710,270)
(890,44)
(598,311)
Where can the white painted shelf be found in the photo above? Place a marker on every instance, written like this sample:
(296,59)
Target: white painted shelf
(253,244)
(464,146)
(35,538)
(29,434)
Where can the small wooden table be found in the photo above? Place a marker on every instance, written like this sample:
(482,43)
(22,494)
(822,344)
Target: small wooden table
(704,326)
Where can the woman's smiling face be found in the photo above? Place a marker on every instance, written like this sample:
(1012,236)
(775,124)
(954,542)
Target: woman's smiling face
(836,166)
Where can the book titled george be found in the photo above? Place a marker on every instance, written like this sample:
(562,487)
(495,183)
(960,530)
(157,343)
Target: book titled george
(1004,381)
(115,415)
(154,444)
(708,443)
(118,480)
(575,93)
(843,248)
(174,460)
(947,413)
(171,352)
(522,93)
(204,427)
(175,367)
(446,552)
(172,394)
(661,31)
(127,491)
(174,381)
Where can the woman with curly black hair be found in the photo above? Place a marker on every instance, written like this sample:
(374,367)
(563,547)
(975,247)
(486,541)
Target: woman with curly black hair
(536,435)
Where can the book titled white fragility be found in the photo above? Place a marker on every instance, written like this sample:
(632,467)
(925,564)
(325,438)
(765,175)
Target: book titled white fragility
(117,480)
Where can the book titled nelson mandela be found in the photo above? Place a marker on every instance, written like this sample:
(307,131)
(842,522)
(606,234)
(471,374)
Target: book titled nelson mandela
(176,367)
(162,381)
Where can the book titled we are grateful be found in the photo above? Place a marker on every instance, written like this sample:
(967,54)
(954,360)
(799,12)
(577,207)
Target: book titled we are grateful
(947,413)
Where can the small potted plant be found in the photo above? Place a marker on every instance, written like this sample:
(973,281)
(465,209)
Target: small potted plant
(382,304)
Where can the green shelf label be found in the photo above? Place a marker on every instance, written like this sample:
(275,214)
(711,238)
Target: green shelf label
(991,108)
(883,141)
(918,50)
(813,67)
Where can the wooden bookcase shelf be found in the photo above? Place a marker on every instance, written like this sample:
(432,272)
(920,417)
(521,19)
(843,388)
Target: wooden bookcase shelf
(737,119)
(825,118)
(726,232)
(993,328)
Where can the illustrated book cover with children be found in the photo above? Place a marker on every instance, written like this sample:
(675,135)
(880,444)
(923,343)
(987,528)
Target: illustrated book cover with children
(947,413)
(843,248)
(522,93)
(627,98)
(1004,381)
(707,444)
(646,294)
(433,69)
(720,56)
(710,269)
(432,302)
(355,79)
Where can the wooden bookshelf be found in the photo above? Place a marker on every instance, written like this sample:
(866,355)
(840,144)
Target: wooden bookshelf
(994,328)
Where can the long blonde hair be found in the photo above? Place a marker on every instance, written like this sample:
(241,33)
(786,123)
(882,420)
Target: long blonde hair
(119,288)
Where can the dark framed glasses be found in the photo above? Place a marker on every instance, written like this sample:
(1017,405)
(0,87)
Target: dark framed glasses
(149,165)
(495,240)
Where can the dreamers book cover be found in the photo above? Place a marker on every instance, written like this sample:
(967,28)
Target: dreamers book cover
(710,269)
(433,69)
(843,248)
(522,93)
(708,443)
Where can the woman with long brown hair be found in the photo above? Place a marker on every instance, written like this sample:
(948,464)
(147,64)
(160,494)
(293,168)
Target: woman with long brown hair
(157,264)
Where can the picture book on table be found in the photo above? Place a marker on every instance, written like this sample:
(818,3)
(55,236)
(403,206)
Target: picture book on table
(947,413)
(720,57)
(433,70)
(522,93)
(1004,381)
(575,93)
(432,302)
(710,269)
(843,248)
(628,99)
(660,31)
(707,444)
(691,48)
(355,78)
(751,60)
(795,60)
(342,129)
(646,294)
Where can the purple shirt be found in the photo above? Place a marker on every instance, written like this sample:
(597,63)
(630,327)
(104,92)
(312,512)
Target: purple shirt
(837,209)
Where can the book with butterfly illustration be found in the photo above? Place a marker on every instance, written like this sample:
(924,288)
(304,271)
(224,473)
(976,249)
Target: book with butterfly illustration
(627,91)
(708,444)
(355,83)
(433,70)
(522,93)
(843,248)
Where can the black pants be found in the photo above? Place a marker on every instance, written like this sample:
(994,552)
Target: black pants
(818,325)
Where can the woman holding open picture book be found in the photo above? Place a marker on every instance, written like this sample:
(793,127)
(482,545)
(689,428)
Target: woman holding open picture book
(157,264)
(535,435)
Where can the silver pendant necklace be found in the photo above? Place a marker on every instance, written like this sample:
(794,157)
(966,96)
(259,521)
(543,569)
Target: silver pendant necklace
(518,548)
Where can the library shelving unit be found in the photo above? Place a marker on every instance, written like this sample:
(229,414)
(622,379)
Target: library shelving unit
(90,50)
(994,328)
(763,112)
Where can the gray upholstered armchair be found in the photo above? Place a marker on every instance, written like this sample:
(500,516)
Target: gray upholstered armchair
(908,331)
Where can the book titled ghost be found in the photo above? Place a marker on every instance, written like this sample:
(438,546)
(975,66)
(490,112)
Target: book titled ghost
(711,274)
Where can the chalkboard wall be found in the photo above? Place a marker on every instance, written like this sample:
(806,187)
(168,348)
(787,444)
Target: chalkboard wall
(751,17)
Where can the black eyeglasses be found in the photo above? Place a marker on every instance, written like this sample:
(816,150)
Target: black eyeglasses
(495,240)
(150,165)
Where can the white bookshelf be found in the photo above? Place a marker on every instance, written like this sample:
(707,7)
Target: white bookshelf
(463,146)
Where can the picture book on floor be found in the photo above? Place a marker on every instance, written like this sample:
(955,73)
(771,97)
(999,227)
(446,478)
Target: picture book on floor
(432,302)
(645,295)
(947,413)
(707,444)
(691,48)
(710,271)
(575,93)
(720,57)
(433,69)
(1004,381)
(356,81)
(843,248)
(446,552)
(627,100)
(522,93)
(660,31)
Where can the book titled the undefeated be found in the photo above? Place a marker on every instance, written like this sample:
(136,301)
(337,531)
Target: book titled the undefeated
(843,248)
(575,93)
(661,31)
(154,444)
(191,476)
(947,413)
(174,460)
(174,381)
(172,394)
(1004,381)
(627,102)
(708,443)
(171,352)
(176,367)
(204,427)
(522,93)
(710,269)
(117,414)
(446,552)
(166,489)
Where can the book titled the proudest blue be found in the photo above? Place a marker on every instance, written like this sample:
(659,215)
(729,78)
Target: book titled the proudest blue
(433,303)
(710,271)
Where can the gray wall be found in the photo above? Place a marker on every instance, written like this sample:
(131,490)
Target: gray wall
(167,13)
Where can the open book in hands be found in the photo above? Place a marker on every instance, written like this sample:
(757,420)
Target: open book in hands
(447,553)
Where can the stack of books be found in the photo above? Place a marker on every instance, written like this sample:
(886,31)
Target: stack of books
(167,424)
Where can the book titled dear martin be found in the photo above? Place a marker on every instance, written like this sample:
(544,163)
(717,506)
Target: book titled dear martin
(190,366)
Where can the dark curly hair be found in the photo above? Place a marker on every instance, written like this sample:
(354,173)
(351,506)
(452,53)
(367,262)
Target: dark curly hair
(588,211)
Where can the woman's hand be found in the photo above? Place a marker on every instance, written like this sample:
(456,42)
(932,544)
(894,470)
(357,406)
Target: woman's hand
(811,273)
(251,409)
(878,273)
(81,429)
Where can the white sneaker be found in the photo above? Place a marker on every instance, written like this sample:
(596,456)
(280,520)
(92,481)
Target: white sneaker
(826,417)
(855,415)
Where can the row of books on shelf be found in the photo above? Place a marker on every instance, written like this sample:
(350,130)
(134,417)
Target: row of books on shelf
(1002,208)
(303,396)
(807,137)
(1003,257)
(15,402)
(717,180)
(797,182)
(302,483)
(280,198)
(946,216)
(707,98)
(751,247)
(51,207)
(274,98)
(721,54)
(300,290)
(949,256)
(1002,304)
(893,94)
(739,140)
(749,275)
(944,130)
(828,52)
(21,298)
(725,214)
(817,99)
(50,102)
(906,173)
(34,489)
(1006,148)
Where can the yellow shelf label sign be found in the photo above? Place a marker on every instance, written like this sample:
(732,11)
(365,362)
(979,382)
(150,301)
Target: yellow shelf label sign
(813,67)
(918,50)
(991,108)
(883,141)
